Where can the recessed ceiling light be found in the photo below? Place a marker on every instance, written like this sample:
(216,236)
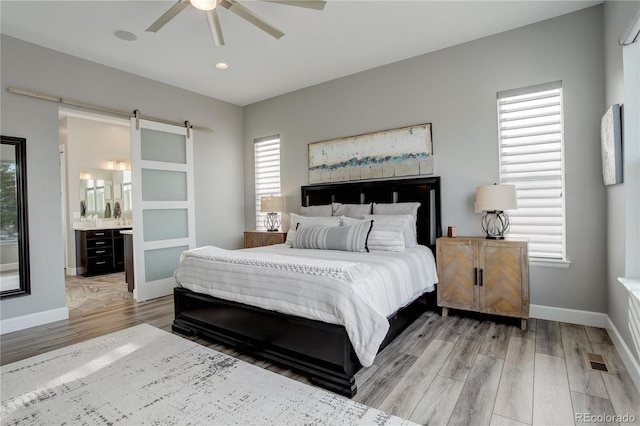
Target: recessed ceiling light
(222,65)
(126,35)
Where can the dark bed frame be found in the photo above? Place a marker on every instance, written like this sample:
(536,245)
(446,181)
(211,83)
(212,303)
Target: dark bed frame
(319,350)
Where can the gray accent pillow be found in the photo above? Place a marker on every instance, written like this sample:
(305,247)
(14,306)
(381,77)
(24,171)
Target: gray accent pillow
(309,220)
(345,238)
(356,211)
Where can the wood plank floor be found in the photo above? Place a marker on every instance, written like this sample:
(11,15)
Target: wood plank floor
(458,370)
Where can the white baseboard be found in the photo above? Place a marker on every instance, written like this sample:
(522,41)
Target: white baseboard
(592,319)
(32,320)
(572,316)
(625,353)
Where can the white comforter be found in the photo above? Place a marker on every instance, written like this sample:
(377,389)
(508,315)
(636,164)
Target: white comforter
(356,290)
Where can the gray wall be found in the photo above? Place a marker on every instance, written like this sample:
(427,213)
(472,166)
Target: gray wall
(218,155)
(455,89)
(617,16)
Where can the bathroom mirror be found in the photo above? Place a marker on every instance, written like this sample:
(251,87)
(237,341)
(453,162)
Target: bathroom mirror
(101,186)
(96,190)
(14,234)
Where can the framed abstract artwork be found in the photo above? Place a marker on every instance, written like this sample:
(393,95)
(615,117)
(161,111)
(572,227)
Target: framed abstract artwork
(405,151)
(611,145)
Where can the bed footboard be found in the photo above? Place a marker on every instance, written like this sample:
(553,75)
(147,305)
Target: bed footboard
(319,350)
(316,349)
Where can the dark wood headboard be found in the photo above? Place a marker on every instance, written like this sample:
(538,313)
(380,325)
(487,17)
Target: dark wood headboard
(423,190)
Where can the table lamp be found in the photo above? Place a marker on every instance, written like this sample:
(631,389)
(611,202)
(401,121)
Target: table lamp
(272,205)
(493,200)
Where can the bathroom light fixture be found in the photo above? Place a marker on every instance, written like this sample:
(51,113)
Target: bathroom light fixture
(122,165)
(111,165)
(493,200)
(272,205)
(204,4)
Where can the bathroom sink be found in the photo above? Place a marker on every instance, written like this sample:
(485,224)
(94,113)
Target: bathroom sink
(101,224)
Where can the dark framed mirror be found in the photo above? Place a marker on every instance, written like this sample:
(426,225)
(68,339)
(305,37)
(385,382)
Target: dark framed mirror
(14,232)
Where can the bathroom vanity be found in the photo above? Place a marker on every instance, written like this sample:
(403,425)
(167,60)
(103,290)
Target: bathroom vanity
(99,251)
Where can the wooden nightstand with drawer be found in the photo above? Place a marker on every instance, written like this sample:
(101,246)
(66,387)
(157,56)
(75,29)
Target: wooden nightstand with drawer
(263,238)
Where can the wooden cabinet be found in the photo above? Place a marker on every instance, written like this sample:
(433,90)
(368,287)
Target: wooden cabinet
(99,251)
(481,275)
(263,238)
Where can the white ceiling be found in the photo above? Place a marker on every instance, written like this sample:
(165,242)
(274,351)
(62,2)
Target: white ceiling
(346,38)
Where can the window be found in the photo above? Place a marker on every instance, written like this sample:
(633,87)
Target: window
(267,163)
(531,157)
(126,190)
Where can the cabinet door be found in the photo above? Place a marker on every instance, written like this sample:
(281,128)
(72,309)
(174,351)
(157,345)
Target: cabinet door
(118,253)
(253,239)
(275,238)
(503,280)
(457,262)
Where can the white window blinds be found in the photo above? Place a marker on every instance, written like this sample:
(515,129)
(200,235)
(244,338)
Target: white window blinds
(267,172)
(531,157)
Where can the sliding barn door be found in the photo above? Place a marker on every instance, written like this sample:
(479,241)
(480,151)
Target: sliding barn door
(163,208)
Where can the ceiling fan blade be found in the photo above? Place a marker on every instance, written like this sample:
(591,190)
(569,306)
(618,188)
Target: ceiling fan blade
(245,13)
(168,15)
(309,4)
(214,26)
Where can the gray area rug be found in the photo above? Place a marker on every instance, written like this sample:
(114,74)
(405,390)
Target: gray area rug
(143,375)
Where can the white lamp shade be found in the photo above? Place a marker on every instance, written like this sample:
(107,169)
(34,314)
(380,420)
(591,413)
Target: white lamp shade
(271,204)
(204,4)
(496,198)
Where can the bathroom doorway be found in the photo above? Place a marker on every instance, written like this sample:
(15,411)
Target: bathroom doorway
(95,170)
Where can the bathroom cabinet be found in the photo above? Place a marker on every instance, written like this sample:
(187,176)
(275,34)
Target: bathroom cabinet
(99,251)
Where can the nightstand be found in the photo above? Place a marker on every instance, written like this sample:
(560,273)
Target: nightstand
(481,275)
(263,238)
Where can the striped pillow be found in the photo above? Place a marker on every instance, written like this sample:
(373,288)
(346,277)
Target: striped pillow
(309,220)
(408,223)
(345,238)
(387,233)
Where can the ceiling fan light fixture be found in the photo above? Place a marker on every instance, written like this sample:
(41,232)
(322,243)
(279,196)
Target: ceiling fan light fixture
(204,4)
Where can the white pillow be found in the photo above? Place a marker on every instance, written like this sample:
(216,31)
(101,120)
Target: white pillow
(397,208)
(405,222)
(350,210)
(310,220)
(322,210)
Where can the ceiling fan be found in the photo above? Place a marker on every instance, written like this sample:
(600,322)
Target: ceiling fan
(210,10)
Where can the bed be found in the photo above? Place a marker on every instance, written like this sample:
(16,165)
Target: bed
(319,347)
